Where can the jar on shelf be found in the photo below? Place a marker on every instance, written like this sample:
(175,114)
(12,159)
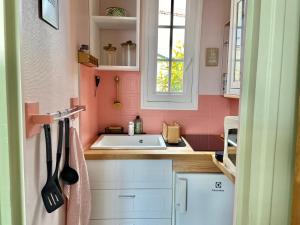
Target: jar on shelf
(110,57)
(128,53)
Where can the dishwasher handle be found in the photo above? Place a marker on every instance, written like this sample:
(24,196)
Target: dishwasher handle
(127,196)
(181,197)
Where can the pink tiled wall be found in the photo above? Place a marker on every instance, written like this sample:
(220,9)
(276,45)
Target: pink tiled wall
(234,107)
(208,119)
(89,118)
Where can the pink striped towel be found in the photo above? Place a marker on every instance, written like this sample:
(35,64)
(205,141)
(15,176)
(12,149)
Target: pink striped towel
(78,196)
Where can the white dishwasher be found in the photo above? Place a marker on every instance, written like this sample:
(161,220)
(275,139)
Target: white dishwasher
(203,199)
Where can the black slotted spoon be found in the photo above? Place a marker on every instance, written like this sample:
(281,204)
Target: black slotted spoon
(51,195)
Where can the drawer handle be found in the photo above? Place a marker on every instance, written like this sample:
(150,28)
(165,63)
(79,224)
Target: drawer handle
(126,196)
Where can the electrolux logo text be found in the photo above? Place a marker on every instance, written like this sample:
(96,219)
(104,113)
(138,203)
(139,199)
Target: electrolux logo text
(218,187)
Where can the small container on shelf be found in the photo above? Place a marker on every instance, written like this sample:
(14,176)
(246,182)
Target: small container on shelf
(110,58)
(114,130)
(128,53)
(85,58)
(171,133)
(115,11)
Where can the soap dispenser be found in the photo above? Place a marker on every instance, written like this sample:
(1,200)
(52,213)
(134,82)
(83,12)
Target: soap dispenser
(131,129)
(138,125)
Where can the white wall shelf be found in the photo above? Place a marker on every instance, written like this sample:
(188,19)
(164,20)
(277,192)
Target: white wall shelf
(115,30)
(231,96)
(114,22)
(118,68)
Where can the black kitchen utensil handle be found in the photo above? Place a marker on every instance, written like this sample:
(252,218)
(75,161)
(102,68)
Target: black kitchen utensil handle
(59,144)
(48,150)
(67,140)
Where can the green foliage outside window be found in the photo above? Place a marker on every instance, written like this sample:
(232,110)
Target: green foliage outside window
(162,81)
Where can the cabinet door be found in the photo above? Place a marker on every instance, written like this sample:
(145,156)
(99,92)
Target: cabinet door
(137,204)
(130,174)
(132,222)
(203,199)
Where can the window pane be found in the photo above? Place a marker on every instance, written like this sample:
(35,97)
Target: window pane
(179,12)
(237,71)
(238,53)
(164,12)
(178,44)
(162,76)
(238,36)
(177,76)
(163,44)
(240,14)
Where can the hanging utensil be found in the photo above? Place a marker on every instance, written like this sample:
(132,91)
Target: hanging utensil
(51,195)
(58,154)
(68,174)
(117,103)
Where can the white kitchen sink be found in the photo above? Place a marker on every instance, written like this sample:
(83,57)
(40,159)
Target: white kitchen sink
(126,142)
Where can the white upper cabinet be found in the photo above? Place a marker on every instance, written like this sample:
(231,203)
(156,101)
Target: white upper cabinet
(236,45)
(109,31)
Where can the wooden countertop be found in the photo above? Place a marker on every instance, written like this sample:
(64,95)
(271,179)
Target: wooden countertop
(169,153)
(185,159)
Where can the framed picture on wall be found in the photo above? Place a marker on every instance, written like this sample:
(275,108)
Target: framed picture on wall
(212,57)
(49,12)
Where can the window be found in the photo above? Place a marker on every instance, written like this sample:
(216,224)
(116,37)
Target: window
(170,59)
(170,50)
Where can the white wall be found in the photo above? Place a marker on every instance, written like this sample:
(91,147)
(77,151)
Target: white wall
(49,76)
(215,13)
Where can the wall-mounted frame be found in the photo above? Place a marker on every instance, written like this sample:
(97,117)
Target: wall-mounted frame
(212,57)
(49,12)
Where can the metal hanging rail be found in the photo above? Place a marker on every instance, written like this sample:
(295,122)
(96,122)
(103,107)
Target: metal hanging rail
(67,113)
(34,119)
(51,117)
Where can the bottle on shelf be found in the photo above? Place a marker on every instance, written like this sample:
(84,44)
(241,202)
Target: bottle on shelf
(138,125)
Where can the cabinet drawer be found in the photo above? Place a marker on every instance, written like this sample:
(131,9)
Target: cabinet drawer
(132,222)
(134,204)
(130,174)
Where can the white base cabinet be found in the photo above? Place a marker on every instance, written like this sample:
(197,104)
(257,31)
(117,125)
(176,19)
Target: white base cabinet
(134,203)
(131,222)
(131,192)
(130,174)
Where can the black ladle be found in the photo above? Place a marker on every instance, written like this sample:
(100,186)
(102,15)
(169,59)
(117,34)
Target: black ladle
(68,175)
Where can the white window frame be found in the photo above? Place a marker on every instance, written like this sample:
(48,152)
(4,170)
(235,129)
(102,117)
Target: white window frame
(233,86)
(188,100)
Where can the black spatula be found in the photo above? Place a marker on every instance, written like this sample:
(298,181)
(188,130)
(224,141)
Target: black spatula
(58,153)
(51,195)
